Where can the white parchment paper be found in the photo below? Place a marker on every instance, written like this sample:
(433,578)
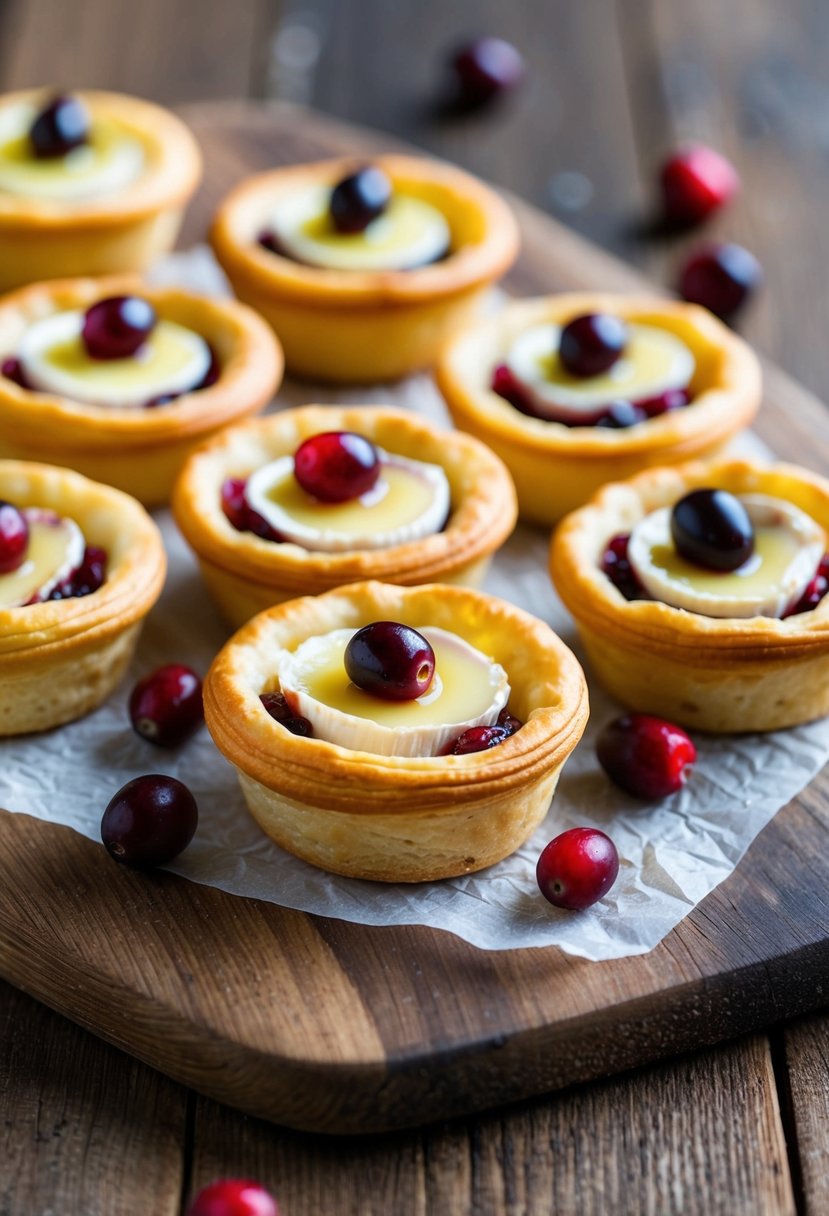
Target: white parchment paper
(673,853)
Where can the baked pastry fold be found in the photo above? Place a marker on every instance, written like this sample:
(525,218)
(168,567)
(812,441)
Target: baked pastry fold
(722,675)
(137,450)
(392,818)
(557,468)
(121,230)
(366,326)
(61,658)
(246,574)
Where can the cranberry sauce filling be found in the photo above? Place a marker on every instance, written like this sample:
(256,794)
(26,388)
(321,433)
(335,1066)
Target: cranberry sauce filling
(814,592)
(616,414)
(210,377)
(281,710)
(240,514)
(482,738)
(616,566)
(88,577)
(12,369)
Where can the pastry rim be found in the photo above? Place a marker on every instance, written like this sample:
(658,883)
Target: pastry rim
(170,177)
(660,628)
(721,408)
(35,632)
(478,524)
(335,778)
(250,373)
(474,264)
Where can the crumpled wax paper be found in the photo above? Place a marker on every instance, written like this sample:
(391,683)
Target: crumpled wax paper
(673,853)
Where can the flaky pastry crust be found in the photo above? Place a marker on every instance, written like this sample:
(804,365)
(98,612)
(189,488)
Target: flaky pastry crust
(557,468)
(366,326)
(139,451)
(392,818)
(122,230)
(247,574)
(720,675)
(60,659)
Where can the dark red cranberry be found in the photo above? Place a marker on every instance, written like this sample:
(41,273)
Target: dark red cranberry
(577,868)
(240,515)
(591,344)
(712,528)
(485,69)
(620,415)
(149,821)
(645,756)
(88,578)
(721,278)
(696,181)
(477,739)
(116,328)
(282,712)
(665,403)
(360,198)
(506,385)
(234,1197)
(59,127)
(12,369)
(616,566)
(14,537)
(390,660)
(509,722)
(336,466)
(270,241)
(166,706)
(214,370)
(815,590)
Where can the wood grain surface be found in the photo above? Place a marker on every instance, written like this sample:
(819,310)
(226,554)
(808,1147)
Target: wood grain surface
(344,1028)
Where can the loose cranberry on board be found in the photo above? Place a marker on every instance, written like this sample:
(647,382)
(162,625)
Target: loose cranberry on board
(577,868)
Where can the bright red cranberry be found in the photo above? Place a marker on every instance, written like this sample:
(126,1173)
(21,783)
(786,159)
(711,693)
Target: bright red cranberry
(815,590)
(696,182)
(390,660)
(721,278)
(616,566)
(477,739)
(14,537)
(712,528)
(645,756)
(360,198)
(509,722)
(88,578)
(282,712)
(166,706)
(591,344)
(486,68)
(240,515)
(234,1197)
(12,369)
(59,127)
(577,868)
(336,466)
(149,821)
(116,328)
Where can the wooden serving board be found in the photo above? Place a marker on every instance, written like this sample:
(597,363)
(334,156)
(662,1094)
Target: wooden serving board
(335,1027)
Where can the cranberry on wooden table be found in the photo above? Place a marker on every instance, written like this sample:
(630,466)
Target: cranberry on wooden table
(149,821)
(165,706)
(577,868)
(486,68)
(695,182)
(234,1197)
(390,660)
(337,466)
(14,537)
(646,756)
(359,199)
(117,327)
(721,278)
(61,126)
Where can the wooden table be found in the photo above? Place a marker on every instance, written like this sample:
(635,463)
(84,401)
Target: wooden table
(742,1128)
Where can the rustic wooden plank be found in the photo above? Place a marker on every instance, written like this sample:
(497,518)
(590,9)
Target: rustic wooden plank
(700,1136)
(83,1128)
(806,1098)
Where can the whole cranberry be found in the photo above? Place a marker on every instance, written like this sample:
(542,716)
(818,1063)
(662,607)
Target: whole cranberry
(645,756)
(88,578)
(616,566)
(281,711)
(60,126)
(713,529)
(14,537)
(696,181)
(509,721)
(477,739)
(591,344)
(12,369)
(485,69)
(577,868)
(117,327)
(149,821)
(165,706)
(721,278)
(390,660)
(234,1197)
(359,199)
(337,466)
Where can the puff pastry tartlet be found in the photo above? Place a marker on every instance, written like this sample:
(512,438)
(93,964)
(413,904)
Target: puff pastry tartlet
(62,657)
(389,817)
(138,450)
(364,325)
(110,205)
(716,673)
(246,573)
(557,467)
